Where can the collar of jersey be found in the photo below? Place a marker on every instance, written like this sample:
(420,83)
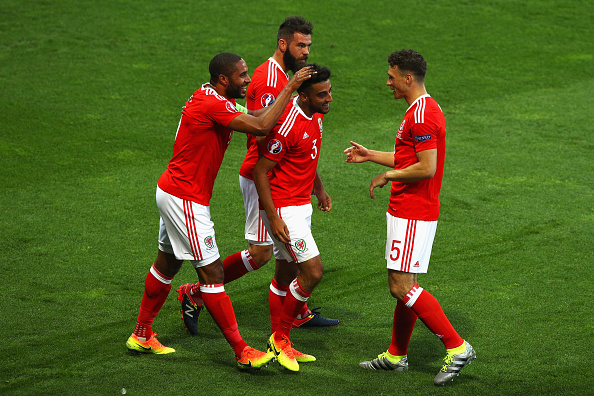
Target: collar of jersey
(207,85)
(417,99)
(278,66)
(299,109)
(211,91)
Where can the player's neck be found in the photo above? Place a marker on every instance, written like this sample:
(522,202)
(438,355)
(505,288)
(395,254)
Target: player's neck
(306,110)
(278,57)
(414,94)
(220,90)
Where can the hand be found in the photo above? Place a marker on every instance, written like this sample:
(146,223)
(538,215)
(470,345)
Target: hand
(324,201)
(302,75)
(280,230)
(378,181)
(356,153)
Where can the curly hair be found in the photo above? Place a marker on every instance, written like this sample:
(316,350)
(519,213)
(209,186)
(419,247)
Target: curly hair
(322,74)
(409,60)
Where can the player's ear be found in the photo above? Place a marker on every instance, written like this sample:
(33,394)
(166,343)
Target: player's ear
(223,80)
(283,45)
(303,97)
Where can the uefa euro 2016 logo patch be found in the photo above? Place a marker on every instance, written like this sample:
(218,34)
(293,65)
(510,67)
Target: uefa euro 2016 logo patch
(230,107)
(275,146)
(209,242)
(300,245)
(267,99)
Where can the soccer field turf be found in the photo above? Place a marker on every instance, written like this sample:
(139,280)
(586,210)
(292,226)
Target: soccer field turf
(90,99)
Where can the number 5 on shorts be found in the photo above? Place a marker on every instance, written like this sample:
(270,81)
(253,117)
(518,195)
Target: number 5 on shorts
(395,249)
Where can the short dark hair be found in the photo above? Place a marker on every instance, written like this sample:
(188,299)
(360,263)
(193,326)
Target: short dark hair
(323,74)
(224,63)
(292,25)
(409,60)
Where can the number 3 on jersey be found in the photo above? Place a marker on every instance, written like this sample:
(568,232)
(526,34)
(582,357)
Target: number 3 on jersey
(315,150)
(395,250)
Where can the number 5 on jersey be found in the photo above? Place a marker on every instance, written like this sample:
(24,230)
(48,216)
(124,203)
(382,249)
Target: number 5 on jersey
(395,250)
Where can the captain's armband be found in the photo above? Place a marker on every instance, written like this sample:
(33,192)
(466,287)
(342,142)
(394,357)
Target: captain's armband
(241,108)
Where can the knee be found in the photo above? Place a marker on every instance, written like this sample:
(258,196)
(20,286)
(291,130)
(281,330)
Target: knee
(212,273)
(401,283)
(261,254)
(398,291)
(317,274)
(395,292)
(167,264)
(312,275)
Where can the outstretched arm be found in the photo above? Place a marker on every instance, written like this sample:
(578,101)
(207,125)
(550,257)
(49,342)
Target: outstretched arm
(261,124)
(424,169)
(260,174)
(358,153)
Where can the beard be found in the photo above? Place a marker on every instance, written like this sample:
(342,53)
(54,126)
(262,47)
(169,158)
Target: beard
(322,109)
(235,91)
(291,63)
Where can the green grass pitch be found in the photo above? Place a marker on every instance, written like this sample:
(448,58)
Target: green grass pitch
(90,98)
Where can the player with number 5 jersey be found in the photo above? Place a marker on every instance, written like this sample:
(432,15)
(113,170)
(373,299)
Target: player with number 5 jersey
(417,170)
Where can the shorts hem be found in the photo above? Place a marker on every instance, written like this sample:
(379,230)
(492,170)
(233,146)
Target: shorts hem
(205,262)
(259,243)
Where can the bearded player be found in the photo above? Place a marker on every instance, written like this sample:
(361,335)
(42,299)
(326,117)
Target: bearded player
(184,190)
(293,43)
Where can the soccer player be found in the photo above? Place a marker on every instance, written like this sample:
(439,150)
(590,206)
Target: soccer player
(285,175)
(417,163)
(186,231)
(292,51)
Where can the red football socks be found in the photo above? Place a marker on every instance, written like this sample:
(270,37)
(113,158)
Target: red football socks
(237,265)
(294,301)
(156,290)
(220,308)
(276,298)
(402,328)
(430,312)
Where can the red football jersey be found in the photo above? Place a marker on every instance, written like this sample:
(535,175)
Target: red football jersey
(423,128)
(200,144)
(294,144)
(267,82)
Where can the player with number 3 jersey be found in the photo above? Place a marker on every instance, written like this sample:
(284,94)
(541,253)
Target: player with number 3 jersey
(285,176)
(295,146)
(268,80)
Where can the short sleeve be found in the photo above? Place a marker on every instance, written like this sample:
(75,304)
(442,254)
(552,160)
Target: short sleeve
(424,136)
(267,98)
(223,112)
(274,148)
